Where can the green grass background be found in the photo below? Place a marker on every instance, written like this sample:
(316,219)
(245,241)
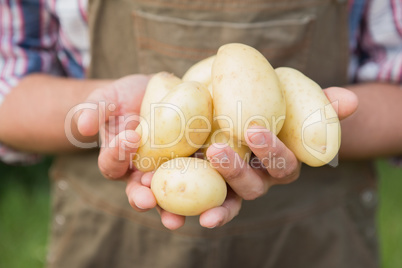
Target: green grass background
(24,215)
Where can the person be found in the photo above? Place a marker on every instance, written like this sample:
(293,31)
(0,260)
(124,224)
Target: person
(324,218)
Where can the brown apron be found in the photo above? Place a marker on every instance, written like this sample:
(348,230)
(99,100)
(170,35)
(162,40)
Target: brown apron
(324,219)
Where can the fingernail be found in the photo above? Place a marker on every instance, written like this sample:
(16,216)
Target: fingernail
(216,224)
(257,138)
(128,145)
(132,136)
(137,205)
(222,156)
(131,141)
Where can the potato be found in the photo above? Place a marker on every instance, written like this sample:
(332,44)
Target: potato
(188,186)
(177,126)
(201,71)
(217,135)
(158,87)
(311,129)
(246,90)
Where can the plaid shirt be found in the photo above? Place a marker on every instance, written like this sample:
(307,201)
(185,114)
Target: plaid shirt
(375,36)
(51,36)
(47,36)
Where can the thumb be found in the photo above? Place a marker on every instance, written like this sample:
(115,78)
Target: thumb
(344,101)
(98,108)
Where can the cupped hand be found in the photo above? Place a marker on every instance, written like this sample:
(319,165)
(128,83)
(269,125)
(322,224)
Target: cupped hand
(273,164)
(114,120)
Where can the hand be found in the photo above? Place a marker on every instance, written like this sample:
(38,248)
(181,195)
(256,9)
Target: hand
(275,164)
(114,120)
(247,182)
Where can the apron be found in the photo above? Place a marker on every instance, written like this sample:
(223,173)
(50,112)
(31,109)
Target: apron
(324,219)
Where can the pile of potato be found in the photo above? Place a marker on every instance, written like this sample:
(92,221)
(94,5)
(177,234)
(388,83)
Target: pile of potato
(216,101)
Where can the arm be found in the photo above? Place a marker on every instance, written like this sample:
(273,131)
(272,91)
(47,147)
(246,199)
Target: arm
(32,115)
(375,129)
(33,110)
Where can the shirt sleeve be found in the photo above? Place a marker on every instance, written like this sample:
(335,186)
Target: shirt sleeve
(28,40)
(375,36)
(376,41)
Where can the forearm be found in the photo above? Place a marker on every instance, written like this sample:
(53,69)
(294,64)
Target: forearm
(375,129)
(32,116)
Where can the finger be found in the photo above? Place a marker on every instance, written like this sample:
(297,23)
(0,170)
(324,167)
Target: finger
(223,214)
(123,96)
(170,220)
(100,105)
(147,178)
(280,162)
(139,196)
(344,101)
(237,173)
(115,159)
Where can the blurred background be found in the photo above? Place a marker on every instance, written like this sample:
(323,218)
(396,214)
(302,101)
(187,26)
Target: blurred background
(25,207)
